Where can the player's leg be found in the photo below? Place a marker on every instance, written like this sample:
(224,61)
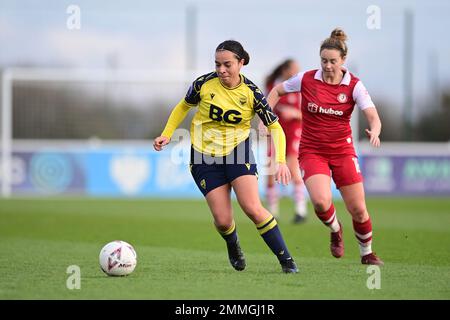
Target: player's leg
(348,179)
(293,135)
(246,189)
(316,174)
(354,199)
(272,196)
(211,181)
(219,202)
(299,189)
(319,190)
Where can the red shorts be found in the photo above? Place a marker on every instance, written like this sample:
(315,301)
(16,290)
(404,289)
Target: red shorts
(344,169)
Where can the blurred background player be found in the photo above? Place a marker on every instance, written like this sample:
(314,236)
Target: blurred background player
(326,147)
(288,110)
(221,155)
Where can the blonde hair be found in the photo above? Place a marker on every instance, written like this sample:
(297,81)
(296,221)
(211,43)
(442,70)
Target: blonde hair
(336,41)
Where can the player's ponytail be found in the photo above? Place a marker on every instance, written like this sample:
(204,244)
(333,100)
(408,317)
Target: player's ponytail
(336,41)
(246,57)
(236,48)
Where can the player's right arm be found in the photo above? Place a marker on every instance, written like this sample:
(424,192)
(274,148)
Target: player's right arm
(275,94)
(294,84)
(176,117)
(180,112)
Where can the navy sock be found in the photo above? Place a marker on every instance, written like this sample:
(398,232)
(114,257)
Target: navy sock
(272,236)
(230,235)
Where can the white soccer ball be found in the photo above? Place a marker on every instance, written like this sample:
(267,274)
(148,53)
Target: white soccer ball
(118,258)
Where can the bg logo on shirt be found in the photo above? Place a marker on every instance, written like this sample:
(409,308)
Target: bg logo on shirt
(230,116)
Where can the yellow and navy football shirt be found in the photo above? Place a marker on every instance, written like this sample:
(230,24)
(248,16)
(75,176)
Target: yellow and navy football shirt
(224,114)
(223,117)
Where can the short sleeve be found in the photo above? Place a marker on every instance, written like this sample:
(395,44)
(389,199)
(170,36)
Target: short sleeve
(361,96)
(294,84)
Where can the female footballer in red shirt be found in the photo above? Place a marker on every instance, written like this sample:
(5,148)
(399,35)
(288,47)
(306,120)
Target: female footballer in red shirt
(326,146)
(289,112)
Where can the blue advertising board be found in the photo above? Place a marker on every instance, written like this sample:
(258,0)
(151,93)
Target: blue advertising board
(127,171)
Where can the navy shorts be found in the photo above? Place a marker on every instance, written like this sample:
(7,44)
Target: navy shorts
(210,172)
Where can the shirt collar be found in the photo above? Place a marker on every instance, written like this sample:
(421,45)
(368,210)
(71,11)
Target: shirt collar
(345,79)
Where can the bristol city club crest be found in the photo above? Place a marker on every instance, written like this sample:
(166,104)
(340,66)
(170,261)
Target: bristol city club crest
(342,97)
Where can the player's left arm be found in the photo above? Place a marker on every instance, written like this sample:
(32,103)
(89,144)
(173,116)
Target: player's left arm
(270,120)
(283,174)
(373,133)
(364,102)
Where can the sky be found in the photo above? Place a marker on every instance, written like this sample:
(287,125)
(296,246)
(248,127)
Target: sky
(153,35)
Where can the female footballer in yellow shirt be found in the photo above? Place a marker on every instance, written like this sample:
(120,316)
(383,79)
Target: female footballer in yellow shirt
(221,155)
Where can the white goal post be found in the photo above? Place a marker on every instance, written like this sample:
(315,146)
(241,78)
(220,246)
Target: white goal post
(98,76)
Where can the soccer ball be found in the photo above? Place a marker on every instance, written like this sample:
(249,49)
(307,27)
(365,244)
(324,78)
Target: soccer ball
(118,258)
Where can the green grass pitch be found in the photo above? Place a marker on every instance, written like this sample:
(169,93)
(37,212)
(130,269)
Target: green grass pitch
(181,256)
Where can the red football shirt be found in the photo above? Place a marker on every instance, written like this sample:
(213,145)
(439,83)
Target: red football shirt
(327,110)
(294,100)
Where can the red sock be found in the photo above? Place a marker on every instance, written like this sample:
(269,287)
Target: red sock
(363,231)
(328,216)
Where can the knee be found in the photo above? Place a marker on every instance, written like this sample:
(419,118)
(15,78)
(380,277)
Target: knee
(253,211)
(223,224)
(321,204)
(358,211)
(297,180)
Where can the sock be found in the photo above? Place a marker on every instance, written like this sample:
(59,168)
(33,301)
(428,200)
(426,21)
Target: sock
(300,200)
(271,234)
(272,199)
(363,233)
(230,235)
(329,218)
